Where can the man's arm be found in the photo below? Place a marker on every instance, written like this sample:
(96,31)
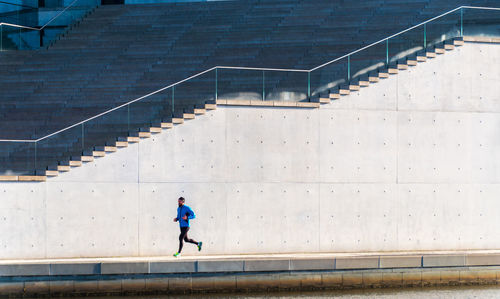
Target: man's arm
(191,214)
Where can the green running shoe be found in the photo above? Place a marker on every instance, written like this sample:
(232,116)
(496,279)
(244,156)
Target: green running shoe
(199,245)
(177,254)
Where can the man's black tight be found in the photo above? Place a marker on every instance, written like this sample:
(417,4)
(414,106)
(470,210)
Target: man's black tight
(184,237)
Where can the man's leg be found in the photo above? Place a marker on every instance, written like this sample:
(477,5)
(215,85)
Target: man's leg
(182,236)
(187,239)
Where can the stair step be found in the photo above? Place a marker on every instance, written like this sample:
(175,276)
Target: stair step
(199,111)
(334,95)
(324,100)
(98,153)
(166,125)
(63,168)
(458,42)
(144,134)
(353,87)
(87,158)
(133,139)
(51,173)
(122,143)
(383,74)
(110,149)
(402,66)
(364,83)
(8,178)
(421,58)
(210,106)
(32,178)
(412,61)
(75,163)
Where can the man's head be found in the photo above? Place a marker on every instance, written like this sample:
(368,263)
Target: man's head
(181,201)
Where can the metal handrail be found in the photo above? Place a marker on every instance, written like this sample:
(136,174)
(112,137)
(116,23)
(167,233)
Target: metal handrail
(247,68)
(18,26)
(56,16)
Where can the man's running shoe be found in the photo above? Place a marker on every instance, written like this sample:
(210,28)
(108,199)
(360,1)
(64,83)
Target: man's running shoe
(177,254)
(199,245)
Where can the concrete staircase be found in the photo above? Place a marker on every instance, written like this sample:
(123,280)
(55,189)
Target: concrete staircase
(168,123)
(122,52)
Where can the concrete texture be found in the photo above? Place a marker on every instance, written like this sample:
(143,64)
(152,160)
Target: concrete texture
(270,263)
(409,163)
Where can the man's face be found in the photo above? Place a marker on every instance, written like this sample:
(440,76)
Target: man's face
(180,202)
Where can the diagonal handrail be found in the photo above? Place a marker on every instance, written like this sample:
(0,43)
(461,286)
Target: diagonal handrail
(56,16)
(248,68)
(18,26)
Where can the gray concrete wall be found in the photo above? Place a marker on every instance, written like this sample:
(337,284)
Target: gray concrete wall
(409,163)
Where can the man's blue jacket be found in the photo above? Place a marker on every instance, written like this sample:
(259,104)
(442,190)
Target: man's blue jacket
(184,211)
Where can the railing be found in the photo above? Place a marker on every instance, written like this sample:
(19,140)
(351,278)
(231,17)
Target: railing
(24,35)
(225,83)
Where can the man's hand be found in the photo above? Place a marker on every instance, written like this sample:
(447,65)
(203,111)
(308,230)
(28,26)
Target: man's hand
(175,219)
(185,217)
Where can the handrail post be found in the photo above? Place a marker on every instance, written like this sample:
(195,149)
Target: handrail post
(263,85)
(173,100)
(216,78)
(309,86)
(387,51)
(425,36)
(348,67)
(461,21)
(34,161)
(83,136)
(128,117)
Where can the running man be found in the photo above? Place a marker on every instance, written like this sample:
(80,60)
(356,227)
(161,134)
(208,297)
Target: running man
(184,213)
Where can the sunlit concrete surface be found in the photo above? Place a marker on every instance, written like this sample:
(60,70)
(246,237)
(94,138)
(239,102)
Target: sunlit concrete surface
(407,164)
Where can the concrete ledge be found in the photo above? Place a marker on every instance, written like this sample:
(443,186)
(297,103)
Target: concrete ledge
(221,266)
(25,270)
(75,269)
(443,260)
(124,268)
(172,267)
(357,263)
(482,260)
(312,264)
(401,261)
(250,263)
(267,265)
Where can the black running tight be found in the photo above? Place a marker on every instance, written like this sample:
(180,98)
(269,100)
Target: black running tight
(184,237)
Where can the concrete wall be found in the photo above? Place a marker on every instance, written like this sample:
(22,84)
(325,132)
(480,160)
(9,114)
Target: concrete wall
(410,163)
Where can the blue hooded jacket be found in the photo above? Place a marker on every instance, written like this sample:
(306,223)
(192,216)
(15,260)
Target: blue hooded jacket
(184,211)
